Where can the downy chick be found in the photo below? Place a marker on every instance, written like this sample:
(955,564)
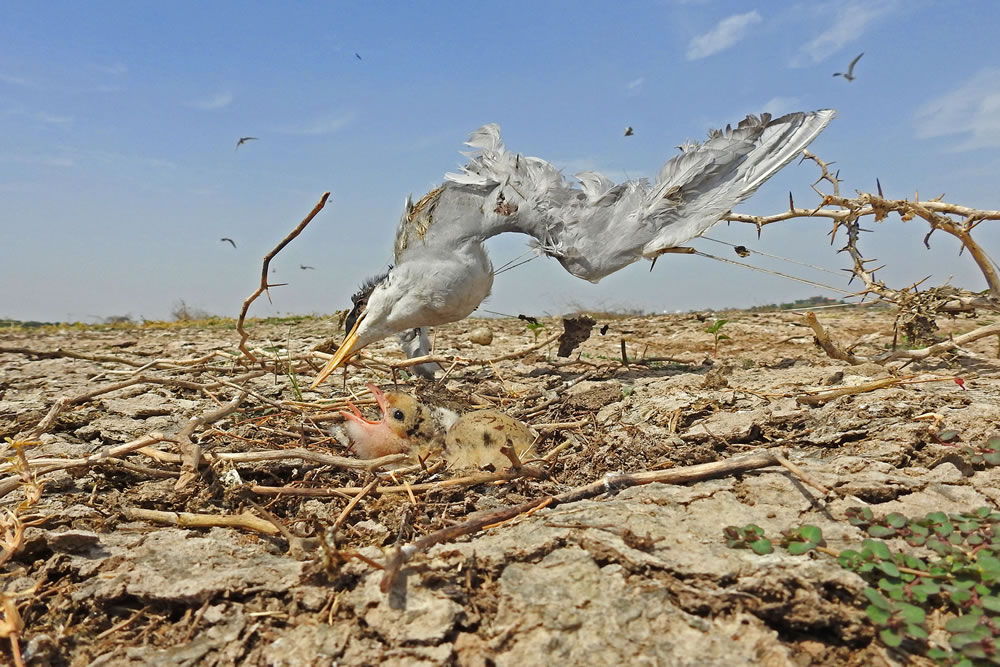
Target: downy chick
(408,425)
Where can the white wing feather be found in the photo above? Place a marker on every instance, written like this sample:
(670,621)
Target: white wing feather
(599,227)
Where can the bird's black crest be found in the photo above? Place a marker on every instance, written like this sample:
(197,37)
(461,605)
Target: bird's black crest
(360,298)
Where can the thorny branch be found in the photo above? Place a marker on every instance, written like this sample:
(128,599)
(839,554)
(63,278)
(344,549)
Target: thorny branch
(917,309)
(264,285)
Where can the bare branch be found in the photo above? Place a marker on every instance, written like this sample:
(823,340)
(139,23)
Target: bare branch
(264,271)
(610,483)
(938,348)
(10,483)
(190,450)
(189,520)
(827,343)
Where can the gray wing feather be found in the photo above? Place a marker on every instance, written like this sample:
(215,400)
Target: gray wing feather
(598,227)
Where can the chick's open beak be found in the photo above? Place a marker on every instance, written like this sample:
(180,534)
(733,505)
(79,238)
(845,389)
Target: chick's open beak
(346,349)
(358,417)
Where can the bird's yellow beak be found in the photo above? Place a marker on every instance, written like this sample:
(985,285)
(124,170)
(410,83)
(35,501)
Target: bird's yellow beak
(346,349)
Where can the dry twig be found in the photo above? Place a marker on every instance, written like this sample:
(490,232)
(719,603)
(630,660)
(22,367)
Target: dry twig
(10,483)
(264,271)
(831,348)
(440,359)
(609,484)
(246,520)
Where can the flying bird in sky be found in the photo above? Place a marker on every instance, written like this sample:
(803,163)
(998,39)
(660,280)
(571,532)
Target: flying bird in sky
(628,131)
(357,55)
(228,240)
(849,74)
(442,273)
(304,267)
(243,140)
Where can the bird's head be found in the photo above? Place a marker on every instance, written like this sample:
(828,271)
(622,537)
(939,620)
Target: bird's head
(428,287)
(382,306)
(403,418)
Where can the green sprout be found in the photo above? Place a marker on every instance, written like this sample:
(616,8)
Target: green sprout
(535,328)
(715,330)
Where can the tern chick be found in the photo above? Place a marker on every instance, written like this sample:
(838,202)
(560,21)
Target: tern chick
(410,426)
(405,423)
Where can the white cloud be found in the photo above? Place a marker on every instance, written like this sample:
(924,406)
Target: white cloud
(779,106)
(14,80)
(45,160)
(971,111)
(724,35)
(323,125)
(117,69)
(217,101)
(154,162)
(634,87)
(849,22)
(57,161)
(51,118)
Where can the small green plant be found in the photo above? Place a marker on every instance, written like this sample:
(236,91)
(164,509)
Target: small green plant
(535,328)
(961,579)
(290,372)
(717,335)
(750,536)
(986,454)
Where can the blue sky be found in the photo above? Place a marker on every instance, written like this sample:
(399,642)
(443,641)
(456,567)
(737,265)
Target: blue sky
(118,122)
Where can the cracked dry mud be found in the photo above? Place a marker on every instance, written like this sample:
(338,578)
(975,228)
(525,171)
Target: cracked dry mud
(641,576)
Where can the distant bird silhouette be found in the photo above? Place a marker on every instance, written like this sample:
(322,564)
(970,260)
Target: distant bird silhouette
(357,55)
(849,74)
(228,240)
(628,131)
(304,267)
(243,140)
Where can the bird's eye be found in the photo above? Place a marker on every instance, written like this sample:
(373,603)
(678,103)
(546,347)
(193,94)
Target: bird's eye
(398,414)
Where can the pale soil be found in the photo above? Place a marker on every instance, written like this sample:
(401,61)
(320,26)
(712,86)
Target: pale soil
(642,576)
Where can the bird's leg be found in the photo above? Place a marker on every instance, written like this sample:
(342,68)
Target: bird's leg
(416,343)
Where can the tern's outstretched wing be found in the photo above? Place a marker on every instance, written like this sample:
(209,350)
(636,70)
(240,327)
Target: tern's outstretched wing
(598,227)
(850,68)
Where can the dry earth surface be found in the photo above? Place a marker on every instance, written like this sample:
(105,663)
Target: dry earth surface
(639,575)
